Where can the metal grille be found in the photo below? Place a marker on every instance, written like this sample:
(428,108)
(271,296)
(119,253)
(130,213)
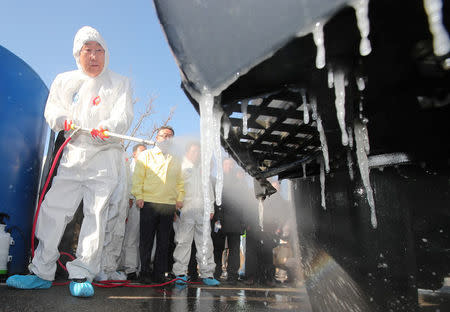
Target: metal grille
(277,138)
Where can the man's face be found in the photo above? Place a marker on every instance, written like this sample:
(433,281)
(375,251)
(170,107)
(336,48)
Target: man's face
(164,134)
(193,154)
(139,150)
(92,58)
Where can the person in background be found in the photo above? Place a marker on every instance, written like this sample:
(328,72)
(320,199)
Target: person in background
(130,248)
(191,222)
(218,239)
(283,214)
(261,238)
(159,190)
(235,198)
(96,98)
(115,226)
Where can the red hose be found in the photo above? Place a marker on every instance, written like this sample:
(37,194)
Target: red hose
(55,161)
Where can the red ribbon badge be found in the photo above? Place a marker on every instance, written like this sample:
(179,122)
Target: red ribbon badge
(96,101)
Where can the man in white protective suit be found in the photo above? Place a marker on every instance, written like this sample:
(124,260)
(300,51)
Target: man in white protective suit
(115,227)
(96,98)
(191,224)
(130,248)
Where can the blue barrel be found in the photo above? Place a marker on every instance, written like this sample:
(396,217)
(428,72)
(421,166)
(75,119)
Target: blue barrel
(23,131)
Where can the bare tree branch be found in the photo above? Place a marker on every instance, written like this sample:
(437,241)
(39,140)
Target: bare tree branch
(155,127)
(148,111)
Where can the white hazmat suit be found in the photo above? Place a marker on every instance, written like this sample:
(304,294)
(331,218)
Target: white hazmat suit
(190,225)
(130,250)
(90,169)
(115,226)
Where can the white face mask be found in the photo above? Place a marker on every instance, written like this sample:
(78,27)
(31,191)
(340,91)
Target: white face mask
(165,145)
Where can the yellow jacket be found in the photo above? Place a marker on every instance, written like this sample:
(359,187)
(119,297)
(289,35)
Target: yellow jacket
(158,178)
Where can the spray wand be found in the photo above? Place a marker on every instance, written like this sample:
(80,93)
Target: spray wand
(104,133)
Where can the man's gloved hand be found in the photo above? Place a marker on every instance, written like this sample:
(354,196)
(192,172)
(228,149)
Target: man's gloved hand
(99,134)
(68,125)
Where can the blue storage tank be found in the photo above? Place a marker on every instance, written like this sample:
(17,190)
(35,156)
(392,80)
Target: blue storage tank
(22,141)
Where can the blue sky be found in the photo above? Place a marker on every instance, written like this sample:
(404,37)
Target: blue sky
(41,33)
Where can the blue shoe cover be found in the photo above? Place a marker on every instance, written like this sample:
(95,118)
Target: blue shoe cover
(28,282)
(211,281)
(84,289)
(181,279)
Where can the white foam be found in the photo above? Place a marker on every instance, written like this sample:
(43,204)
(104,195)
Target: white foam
(441,41)
(226,128)
(217,116)
(323,143)
(319,41)
(206,104)
(305,108)
(330,78)
(362,149)
(322,185)
(360,83)
(244,105)
(362,19)
(339,88)
(314,108)
(350,137)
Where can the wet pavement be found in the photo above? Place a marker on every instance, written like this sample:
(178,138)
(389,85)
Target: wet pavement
(185,298)
(168,298)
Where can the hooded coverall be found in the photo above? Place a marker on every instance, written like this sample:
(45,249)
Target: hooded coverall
(115,226)
(190,225)
(89,169)
(130,249)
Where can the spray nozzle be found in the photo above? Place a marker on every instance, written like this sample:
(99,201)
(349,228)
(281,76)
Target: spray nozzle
(2,217)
